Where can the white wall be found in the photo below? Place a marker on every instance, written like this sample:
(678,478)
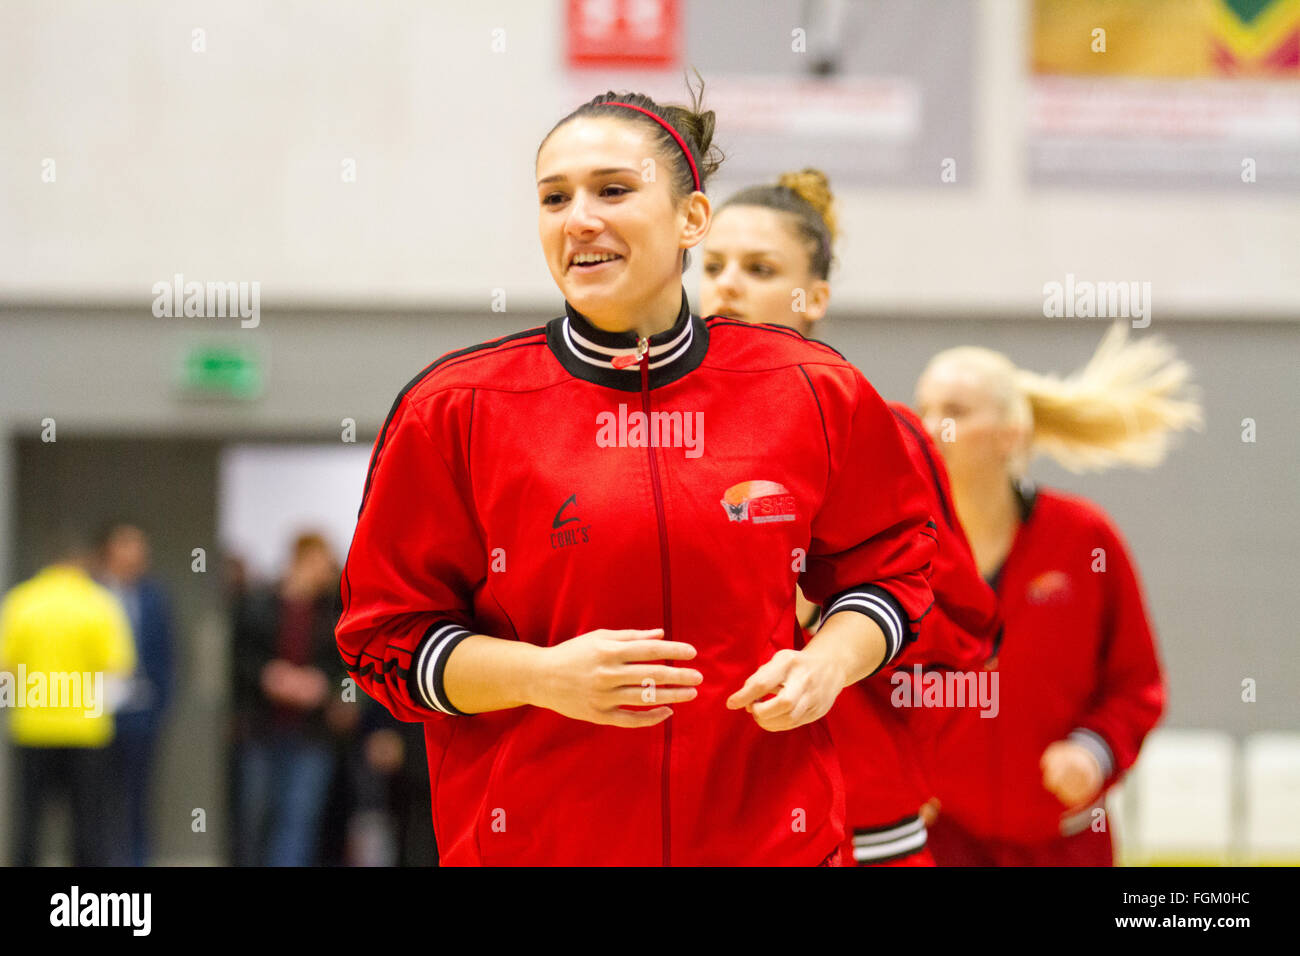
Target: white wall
(268,494)
(225,165)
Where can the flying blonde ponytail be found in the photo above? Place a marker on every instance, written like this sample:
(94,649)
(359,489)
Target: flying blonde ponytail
(1121,408)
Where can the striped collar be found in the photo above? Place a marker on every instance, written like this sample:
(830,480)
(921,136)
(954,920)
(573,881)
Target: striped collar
(586,352)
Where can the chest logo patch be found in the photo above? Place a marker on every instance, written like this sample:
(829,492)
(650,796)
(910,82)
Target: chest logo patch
(759,502)
(1048,586)
(563,537)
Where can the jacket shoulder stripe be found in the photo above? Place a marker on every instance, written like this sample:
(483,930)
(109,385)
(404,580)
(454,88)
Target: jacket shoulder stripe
(779,329)
(450,357)
(506,342)
(821,415)
(934,470)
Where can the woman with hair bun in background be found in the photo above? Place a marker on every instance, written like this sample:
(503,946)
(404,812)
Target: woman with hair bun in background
(1080,680)
(767,259)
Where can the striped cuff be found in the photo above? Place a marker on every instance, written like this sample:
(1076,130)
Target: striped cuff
(1078,822)
(1096,745)
(430,662)
(892,842)
(879,605)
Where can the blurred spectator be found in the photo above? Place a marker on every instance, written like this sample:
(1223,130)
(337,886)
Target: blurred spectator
(390,823)
(235,587)
(123,566)
(234,577)
(288,683)
(396,760)
(66,636)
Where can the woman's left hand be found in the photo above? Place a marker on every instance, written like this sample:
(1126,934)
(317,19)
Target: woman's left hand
(805,686)
(1071,773)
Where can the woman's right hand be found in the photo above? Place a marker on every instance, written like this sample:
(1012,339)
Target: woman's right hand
(594,676)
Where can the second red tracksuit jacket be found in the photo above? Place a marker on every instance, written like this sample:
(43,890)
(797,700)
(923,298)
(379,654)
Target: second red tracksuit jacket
(878,741)
(531,490)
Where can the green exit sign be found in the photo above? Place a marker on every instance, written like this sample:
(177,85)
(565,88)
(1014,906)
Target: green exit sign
(221,371)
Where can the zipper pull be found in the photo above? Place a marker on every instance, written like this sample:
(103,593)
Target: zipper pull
(623,361)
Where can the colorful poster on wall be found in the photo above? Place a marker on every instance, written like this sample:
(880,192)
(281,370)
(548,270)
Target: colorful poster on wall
(1165,93)
(873,92)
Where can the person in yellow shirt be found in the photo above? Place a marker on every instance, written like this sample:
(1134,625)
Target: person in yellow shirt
(65,643)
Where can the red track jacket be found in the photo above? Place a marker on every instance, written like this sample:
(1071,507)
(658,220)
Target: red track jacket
(880,743)
(529,489)
(1078,661)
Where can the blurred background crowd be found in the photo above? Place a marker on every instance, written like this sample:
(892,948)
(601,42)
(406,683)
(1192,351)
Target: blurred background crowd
(317,775)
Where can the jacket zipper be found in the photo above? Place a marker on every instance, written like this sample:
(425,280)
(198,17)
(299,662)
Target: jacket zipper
(643,348)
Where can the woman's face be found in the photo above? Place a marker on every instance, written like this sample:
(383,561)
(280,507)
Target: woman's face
(964,419)
(753,263)
(603,187)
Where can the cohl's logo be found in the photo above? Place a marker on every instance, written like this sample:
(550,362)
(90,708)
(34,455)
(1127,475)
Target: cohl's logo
(563,537)
(758,502)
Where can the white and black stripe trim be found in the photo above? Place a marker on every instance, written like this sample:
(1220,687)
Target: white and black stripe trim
(891,842)
(600,355)
(430,661)
(1096,745)
(879,605)
(586,351)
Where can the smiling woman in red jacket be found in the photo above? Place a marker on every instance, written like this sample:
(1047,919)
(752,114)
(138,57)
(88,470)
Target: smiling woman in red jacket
(767,259)
(544,568)
(1080,681)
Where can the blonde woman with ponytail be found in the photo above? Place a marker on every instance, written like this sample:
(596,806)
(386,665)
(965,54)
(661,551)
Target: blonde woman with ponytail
(1080,682)
(767,260)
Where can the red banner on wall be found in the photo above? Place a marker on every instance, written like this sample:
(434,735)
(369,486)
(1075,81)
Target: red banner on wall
(623,33)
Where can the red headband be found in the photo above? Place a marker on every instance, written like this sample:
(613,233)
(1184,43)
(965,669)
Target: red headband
(695,175)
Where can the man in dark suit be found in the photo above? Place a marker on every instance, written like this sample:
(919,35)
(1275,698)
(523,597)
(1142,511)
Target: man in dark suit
(123,569)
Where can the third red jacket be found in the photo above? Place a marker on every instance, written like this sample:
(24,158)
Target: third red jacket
(1078,661)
